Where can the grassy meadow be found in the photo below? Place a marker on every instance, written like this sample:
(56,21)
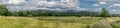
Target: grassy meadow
(59,22)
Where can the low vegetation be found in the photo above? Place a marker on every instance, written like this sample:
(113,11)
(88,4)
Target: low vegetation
(58,22)
(45,22)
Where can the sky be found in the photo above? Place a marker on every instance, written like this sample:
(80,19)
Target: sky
(113,6)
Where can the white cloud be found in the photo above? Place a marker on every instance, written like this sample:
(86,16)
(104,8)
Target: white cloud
(47,4)
(102,3)
(52,3)
(44,4)
(15,8)
(96,5)
(116,4)
(13,2)
(69,3)
(16,2)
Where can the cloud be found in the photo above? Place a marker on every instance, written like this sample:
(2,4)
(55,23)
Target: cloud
(13,2)
(112,5)
(96,5)
(15,8)
(42,4)
(50,4)
(47,4)
(16,2)
(113,10)
(97,10)
(66,4)
(116,5)
(82,9)
(102,3)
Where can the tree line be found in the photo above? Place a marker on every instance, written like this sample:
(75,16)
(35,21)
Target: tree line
(4,12)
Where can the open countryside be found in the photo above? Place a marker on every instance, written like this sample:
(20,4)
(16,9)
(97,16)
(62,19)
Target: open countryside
(59,14)
(59,22)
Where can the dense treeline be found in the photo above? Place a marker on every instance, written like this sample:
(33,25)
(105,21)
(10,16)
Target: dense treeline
(4,12)
(53,13)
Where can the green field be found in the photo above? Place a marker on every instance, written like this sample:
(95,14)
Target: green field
(58,22)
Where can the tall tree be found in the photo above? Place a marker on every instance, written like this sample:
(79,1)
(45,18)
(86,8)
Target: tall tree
(104,13)
(3,10)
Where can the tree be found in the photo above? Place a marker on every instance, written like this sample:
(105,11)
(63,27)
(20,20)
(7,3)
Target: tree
(14,13)
(104,13)
(26,13)
(3,10)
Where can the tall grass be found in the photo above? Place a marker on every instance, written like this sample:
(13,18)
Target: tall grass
(53,22)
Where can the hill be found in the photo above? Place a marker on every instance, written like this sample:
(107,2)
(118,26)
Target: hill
(66,13)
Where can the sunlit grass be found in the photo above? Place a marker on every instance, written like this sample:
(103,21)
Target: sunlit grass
(50,22)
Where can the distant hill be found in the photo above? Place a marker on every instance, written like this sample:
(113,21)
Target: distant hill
(68,12)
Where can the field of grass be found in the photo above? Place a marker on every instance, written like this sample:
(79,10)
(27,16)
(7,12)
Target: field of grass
(58,22)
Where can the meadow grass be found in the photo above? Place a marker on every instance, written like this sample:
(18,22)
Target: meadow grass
(47,22)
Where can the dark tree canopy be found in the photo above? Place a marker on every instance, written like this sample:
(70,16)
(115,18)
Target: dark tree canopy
(3,10)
